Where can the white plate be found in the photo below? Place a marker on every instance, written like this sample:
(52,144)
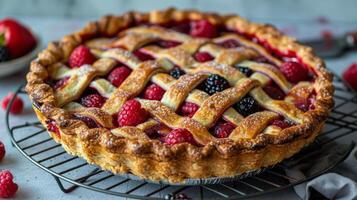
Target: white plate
(12,66)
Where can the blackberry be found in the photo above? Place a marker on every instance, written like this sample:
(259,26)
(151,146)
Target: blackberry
(245,70)
(214,83)
(4,54)
(247,106)
(176,72)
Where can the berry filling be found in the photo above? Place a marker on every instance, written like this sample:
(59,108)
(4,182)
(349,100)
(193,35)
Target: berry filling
(93,100)
(118,75)
(305,104)
(176,72)
(143,56)
(154,92)
(203,28)
(274,92)
(177,136)
(294,72)
(247,106)
(214,83)
(203,56)
(60,83)
(229,44)
(167,43)
(282,123)
(180,26)
(91,123)
(188,109)
(223,129)
(52,126)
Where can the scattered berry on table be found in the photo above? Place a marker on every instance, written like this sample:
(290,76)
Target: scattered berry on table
(7,186)
(16,107)
(350,76)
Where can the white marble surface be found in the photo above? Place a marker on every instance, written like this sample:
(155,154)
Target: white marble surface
(36,184)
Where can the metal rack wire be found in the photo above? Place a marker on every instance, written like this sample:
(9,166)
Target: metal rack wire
(70,172)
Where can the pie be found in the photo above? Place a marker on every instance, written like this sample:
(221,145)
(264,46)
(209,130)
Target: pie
(174,94)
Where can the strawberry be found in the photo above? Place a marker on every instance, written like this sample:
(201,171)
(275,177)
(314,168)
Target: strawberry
(18,39)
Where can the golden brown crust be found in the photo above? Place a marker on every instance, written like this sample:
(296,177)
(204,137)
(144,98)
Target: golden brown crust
(153,160)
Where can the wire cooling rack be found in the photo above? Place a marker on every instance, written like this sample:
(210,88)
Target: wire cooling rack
(70,172)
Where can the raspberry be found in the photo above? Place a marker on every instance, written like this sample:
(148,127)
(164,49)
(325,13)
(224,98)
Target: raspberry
(223,130)
(2,150)
(247,106)
(93,100)
(7,187)
(350,76)
(51,126)
(168,43)
(178,136)
(16,107)
(154,92)
(81,55)
(214,83)
(203,56)
(189,109)
(203,28)
(229,43)
(245,70)
(282,123)
(142,56)
(294,72)
(274,92)
(118,75)
(176,72)
(131,114)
